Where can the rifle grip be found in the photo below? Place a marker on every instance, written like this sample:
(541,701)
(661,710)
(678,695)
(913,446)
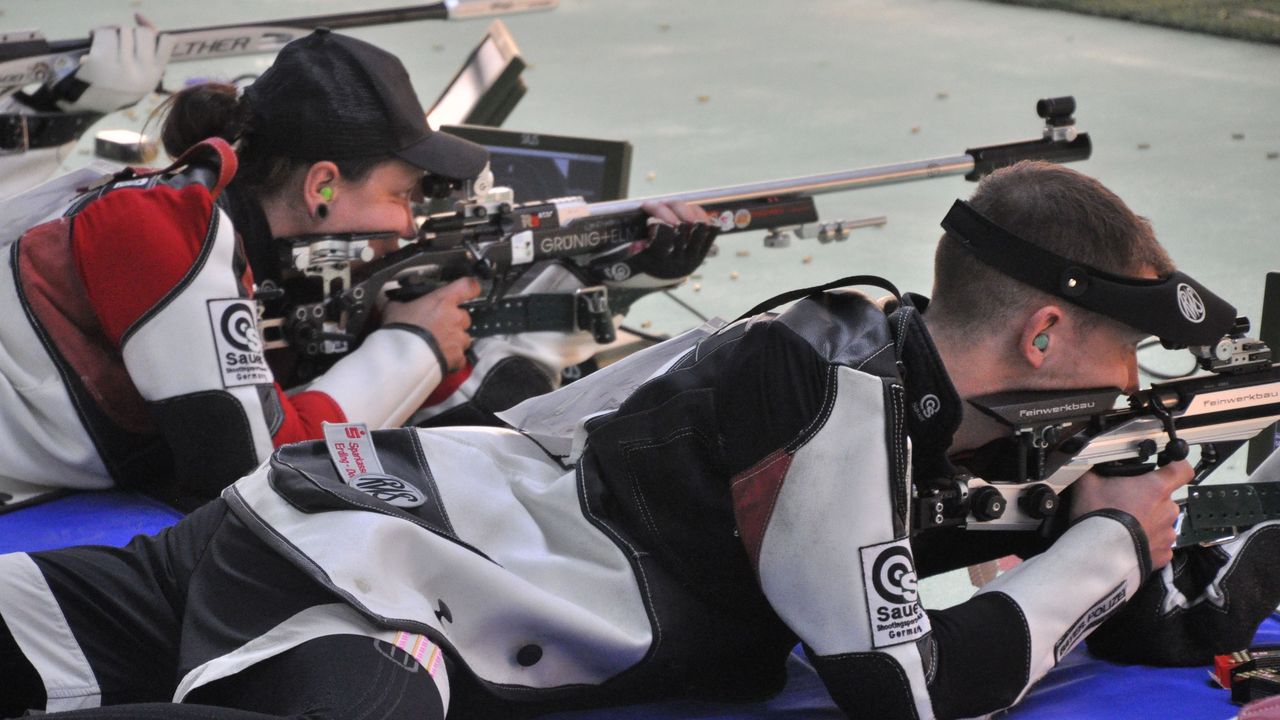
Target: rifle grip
(1124,468)
(405,293)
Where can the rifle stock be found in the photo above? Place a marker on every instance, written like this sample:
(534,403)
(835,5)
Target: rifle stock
(1062,435)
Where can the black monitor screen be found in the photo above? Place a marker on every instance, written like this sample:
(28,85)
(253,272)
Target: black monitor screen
(1268,332)
(488,85)
(543,167)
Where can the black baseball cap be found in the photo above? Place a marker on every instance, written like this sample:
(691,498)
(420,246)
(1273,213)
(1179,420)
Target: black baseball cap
(333,97)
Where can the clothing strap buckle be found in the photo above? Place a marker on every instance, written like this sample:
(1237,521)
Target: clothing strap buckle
(593,302)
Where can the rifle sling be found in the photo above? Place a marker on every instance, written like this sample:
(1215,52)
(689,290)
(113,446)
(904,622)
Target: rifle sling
(19,133)
(587,309)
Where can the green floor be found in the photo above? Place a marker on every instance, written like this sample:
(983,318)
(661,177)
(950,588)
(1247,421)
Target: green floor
(715,92)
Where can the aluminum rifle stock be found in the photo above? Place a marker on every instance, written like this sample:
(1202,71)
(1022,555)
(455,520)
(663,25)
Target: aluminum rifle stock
(1059,436)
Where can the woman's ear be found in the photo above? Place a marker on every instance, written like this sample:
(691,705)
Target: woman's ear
(319,188)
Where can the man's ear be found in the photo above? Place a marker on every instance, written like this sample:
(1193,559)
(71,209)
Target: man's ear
(1036,336)
(320,176)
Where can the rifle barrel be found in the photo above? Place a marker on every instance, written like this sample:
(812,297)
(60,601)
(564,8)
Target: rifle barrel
(806,185)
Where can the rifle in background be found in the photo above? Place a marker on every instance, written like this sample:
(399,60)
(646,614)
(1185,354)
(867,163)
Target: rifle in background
(26,57)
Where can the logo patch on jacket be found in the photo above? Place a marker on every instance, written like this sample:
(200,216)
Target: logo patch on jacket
(353,453)
(389,489)
(235,335)
(893,602)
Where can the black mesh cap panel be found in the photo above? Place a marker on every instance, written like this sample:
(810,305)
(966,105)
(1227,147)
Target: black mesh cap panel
(333,97)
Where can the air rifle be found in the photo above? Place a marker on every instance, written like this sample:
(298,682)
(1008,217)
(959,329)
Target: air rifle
(26,57)
(490,237)
(1058,436)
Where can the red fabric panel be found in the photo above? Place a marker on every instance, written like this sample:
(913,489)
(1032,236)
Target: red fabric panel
(755,491)
(448,385)
(1008,562)
(56,296)
(133,246)
(304,415)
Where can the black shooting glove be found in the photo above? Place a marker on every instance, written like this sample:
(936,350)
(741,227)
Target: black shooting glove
(672,252)
(1208,601)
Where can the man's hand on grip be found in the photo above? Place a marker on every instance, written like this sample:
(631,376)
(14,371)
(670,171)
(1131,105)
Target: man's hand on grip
(1146,497)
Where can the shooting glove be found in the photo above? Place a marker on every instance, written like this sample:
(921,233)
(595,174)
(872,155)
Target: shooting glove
(123,66)
(671,253)
(1209,600)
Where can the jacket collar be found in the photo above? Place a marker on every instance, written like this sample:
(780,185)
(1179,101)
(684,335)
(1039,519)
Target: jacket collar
(934,408)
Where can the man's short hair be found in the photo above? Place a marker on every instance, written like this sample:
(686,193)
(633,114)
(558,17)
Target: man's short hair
(1056,208)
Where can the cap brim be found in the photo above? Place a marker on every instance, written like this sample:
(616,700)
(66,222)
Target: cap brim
(449,155)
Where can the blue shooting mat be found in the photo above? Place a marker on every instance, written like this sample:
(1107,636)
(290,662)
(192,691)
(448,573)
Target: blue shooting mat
(86,518)
(1079,687)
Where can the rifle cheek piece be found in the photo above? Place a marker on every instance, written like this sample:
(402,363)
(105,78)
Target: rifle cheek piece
(1176,309)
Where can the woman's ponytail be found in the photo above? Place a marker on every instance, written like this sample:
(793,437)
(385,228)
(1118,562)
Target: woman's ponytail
(200,112)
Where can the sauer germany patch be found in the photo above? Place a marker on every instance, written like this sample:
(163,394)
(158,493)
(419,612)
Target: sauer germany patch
(235,334)
(893,604)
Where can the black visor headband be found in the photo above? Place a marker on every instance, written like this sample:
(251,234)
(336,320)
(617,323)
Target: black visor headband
(1176,309)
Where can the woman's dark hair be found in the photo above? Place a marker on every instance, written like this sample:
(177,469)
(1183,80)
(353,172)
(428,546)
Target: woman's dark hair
(216,109)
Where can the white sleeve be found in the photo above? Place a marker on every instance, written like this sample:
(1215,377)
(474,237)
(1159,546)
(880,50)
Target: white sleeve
(179,348)
(1065,593)
(383,381)
(833,559)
